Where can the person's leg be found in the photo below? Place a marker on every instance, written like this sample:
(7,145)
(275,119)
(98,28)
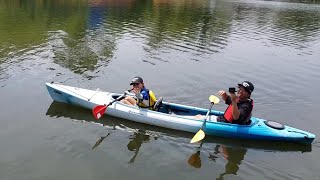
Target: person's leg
(199,116)
(125,102)
(129,100)
(211,118)
(132,101)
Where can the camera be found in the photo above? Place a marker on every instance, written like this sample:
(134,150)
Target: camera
(232,90)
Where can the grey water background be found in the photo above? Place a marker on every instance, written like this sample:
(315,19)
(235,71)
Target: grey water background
(185,50)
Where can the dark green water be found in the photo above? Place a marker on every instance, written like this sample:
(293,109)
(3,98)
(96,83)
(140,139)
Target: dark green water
(185,50)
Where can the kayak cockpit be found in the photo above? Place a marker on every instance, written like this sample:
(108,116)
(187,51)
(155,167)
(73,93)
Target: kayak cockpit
(183,111)
(174,109)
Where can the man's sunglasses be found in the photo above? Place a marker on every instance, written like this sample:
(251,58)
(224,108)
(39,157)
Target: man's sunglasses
(135,84)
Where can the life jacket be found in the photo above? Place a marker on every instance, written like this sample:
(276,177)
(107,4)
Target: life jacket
(148,103)
(229,117)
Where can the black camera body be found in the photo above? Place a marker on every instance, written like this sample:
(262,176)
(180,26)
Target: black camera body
(232,90)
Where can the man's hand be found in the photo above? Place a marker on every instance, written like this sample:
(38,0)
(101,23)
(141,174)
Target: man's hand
(233,97)
(223,95)
(136,90)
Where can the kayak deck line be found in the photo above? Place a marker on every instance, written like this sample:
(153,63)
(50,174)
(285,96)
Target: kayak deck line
(178,116)
(97,91)
(62,86)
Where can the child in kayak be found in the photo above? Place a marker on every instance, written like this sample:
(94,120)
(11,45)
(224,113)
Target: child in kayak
(144,97)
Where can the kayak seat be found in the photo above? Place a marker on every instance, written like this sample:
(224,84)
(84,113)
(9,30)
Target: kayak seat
(178,112)
(170,111)
(158,104)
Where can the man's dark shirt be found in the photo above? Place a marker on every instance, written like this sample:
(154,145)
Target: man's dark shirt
(245,108)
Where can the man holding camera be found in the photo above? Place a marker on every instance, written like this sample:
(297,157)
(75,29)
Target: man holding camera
(240,104)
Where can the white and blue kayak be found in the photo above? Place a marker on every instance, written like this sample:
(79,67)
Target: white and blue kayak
(178,117)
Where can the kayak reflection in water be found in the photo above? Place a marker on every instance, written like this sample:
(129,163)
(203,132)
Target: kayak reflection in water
(134,145)
(234,156)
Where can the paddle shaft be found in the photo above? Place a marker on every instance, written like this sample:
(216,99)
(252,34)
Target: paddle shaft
(118,99)
(207,115)
(200,134)
(99,110)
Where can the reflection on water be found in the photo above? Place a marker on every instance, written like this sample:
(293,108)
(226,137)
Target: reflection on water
(57,109)
(136,141)
(231,151)
(177,44)
(197,28)
(99,141)
(233,156)
(195,160)
(60,27)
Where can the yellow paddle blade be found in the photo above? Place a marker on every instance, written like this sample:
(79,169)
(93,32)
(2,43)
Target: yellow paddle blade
(198,136)
(214,99)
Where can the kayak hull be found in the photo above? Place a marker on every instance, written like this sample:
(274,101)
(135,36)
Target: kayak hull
(176,116)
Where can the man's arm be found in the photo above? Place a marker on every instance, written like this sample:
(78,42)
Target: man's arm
(228,100)
(244,111)
(235,110)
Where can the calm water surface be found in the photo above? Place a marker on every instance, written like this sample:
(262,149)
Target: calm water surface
(185,50)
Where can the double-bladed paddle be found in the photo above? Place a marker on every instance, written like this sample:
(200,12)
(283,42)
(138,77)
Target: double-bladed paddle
(99,110)
(200,134)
